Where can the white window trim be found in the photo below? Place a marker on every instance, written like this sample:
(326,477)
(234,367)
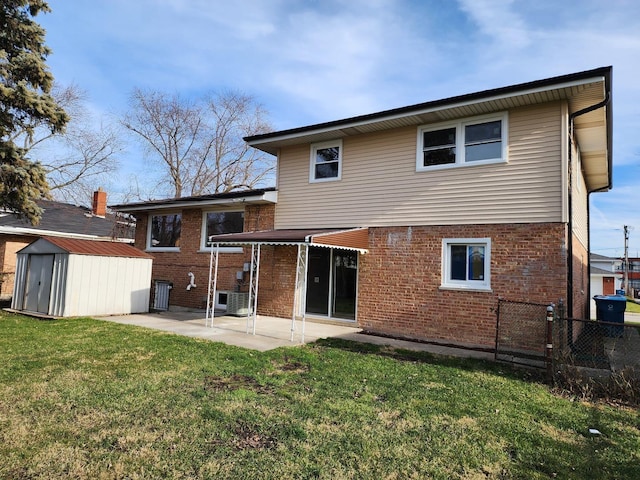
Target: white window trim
(203,232)
(151,248)
(475,285)
(460,151)
(312,166)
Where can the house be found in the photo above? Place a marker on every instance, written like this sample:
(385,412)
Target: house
(605,277)
(58,220)
(632,274)
(409,222)
(175,232)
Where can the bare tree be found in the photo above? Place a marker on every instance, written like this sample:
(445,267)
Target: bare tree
(199,143)
(82,157)
(169,128)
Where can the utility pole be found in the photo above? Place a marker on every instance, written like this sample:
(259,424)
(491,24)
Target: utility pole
(626,260)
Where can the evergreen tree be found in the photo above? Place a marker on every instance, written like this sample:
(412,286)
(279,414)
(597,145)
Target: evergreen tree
(25,104)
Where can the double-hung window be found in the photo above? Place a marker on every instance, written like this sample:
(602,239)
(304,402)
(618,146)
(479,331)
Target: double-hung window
(474,141)
(466,263)
(164,232)
(221,222)
(326,161)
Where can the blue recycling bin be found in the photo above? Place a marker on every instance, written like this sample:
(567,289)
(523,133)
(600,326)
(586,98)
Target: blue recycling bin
(610,309)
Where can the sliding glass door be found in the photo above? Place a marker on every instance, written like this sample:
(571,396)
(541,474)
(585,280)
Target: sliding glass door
(332,283)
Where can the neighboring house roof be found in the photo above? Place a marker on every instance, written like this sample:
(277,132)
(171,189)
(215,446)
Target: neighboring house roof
(585,92)
(603,272)
(86,247)
(63,219)
(598,257)
(255,196)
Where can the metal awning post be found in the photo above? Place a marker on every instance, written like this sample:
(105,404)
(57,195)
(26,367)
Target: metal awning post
(253,286)
(212,286)
(304,289)
(250,301)
(299,289)
(255,293)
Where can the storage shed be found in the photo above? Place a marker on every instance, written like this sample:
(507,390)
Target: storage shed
(64,277)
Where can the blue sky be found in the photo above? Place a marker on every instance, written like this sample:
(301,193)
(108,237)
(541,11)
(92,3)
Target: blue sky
(310,61)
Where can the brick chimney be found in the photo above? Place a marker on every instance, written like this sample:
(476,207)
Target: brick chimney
(99,203)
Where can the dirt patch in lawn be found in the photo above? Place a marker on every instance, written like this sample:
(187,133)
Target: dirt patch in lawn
(234,382)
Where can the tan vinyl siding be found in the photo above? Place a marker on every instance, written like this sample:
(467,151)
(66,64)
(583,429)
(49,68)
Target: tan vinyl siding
(579,199)
(380,185)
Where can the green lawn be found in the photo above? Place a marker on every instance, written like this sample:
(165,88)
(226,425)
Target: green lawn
(633,307)
(82,398)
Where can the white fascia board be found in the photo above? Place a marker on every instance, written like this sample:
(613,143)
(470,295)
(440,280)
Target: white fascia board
(47,233)
(268,197)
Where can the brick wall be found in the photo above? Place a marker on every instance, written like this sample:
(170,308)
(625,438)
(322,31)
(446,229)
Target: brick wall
(399,280)
(259,217)
(277,280)
(8,258)
(175,266)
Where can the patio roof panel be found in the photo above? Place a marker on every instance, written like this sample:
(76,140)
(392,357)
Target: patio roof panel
(345,238)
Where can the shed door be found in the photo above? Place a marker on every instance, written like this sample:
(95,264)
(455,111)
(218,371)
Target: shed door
(39,273)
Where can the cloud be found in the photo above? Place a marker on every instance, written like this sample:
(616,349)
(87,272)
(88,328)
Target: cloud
(497,20)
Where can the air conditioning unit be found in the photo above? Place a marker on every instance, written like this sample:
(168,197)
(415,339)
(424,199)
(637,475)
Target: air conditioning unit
(238,303)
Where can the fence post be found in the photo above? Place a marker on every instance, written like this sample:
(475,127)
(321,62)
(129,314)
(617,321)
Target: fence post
(549,349)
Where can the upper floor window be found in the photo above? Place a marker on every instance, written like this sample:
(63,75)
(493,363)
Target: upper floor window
(466,263)
(219,223)
(164,231)
(474,141)
(326,161)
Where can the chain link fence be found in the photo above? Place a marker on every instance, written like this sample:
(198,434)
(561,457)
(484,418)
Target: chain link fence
(585,358)
(521,333)
(594,358)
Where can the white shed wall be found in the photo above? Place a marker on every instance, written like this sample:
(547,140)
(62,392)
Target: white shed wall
(22,261)
(97,285)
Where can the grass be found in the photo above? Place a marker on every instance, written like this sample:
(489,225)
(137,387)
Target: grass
(632,307)
(81,398)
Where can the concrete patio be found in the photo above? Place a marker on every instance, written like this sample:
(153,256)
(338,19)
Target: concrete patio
(272,332)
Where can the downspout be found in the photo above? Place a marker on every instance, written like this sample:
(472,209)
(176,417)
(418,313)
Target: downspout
(603,103)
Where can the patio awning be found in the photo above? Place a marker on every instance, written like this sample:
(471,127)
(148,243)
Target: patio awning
(356,239)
